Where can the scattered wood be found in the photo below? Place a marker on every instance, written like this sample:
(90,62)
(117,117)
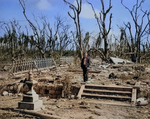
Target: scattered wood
(42,116)
(81,91)
(134,95)
(90,71)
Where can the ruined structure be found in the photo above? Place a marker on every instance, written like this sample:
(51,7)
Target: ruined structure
(30,99)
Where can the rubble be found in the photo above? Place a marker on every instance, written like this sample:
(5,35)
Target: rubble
(59,86)
(142,102)
(5,93)
(112,76)
(120,61)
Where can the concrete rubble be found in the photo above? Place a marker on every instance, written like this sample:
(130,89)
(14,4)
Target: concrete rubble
(4,93)
(30,99)
(120,61)
(57,83)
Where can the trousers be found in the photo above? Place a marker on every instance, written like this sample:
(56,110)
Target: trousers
(85,73)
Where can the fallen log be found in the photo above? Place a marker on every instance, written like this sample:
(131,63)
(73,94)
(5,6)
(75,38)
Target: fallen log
(37,114)
(80,71)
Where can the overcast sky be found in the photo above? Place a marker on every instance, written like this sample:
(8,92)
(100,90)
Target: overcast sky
(11,9)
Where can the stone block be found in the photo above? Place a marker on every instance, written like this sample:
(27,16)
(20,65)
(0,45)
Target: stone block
(31,105)
(32,98)
(4,93)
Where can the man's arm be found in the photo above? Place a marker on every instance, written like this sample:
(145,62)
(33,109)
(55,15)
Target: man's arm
(82,63)
(88,62)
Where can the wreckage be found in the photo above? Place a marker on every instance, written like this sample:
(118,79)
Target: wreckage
(120,80)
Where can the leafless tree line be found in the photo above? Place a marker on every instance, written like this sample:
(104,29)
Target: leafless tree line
(45,39)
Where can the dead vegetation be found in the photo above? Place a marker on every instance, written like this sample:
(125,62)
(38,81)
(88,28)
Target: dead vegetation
(58,88)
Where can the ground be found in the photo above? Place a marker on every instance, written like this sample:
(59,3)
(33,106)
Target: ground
(124,75)
(75,109)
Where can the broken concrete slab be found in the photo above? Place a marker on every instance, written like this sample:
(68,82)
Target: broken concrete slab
(142,102)
(5,93)
(120,61)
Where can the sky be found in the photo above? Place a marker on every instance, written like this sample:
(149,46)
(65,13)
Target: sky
(11,9)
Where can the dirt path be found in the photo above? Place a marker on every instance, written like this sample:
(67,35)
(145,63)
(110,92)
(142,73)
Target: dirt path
(75,109)
(3,74)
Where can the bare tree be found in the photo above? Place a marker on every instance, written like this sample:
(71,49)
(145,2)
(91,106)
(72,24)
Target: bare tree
(85,44)
(76,12)
(101,21)
(64,36)
(39,33)
(141,26)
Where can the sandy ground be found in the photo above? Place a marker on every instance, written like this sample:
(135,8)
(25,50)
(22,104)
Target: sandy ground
(76,109)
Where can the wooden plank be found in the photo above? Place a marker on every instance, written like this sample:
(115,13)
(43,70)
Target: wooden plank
(107,102)
(105,96)
(81,91)
(108,91)
(105,86)
(90,71)
(134,94)
(36,113)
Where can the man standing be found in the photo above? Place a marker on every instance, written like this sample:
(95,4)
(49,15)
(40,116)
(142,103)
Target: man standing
(85,63)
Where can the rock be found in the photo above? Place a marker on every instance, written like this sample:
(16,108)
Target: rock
(93,76)
(72,96)
(83,103)
(10,94)
(20,94)
(105,71)
(146,111)
(142,102)
(112,76)
(58,106)
(126,69)
(131,82)
(90,117)
(98,107)
(125,73)
(130,73)
(118,83)
(147,69)
(84,106)
(6,68)
(95,111)
(140,68)
(4,93)
(138,111)
(49,112)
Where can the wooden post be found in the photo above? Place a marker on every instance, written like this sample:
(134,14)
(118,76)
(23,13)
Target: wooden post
(81,91)
(134,95)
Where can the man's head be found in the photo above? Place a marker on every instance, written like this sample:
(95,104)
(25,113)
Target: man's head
(85,54)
